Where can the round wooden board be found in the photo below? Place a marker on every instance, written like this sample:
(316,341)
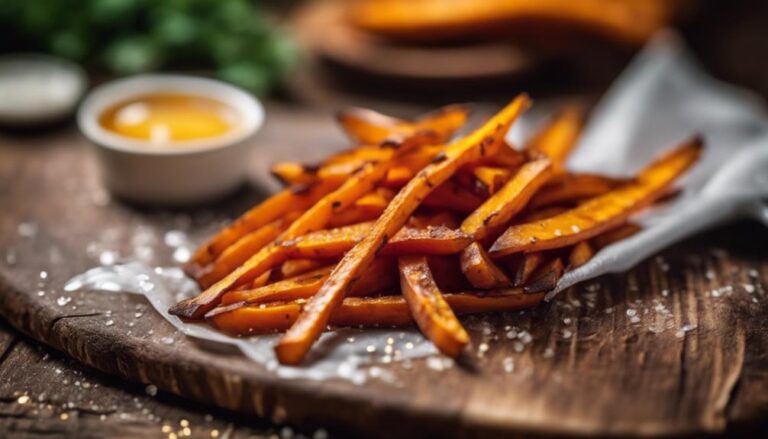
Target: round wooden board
(590,367)
(322,29)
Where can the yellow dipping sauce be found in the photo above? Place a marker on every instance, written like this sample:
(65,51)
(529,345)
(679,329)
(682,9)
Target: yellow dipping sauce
(166,118)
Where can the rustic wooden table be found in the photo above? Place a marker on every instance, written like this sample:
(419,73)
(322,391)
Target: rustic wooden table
(679,345)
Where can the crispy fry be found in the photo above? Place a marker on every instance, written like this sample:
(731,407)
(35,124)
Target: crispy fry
(315,218)
(294,198)
(294,345)
(526,266)
(384,311)
(450,195)
(295,267)
(569,188)
(615,235)
(398,176)
(299,287)
(441,218)
(546,277)
(492,178)
(601,213)
(431,312)
(354,215)
(261,280)
(293,173)
(557,139)
(432,240)
(509,200)
(480,270)
(505,156)
(240,251)
(368,207)
(580,254)
(372,128)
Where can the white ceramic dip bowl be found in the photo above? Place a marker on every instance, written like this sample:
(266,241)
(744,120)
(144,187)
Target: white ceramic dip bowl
(190,171)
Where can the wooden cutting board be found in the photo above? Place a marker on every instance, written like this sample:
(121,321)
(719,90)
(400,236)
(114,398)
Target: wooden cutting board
(677,345)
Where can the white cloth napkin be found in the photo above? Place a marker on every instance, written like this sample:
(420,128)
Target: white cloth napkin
(660,100)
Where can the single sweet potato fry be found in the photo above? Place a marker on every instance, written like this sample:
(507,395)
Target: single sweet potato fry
(601,213)
(398,176)
(369,127)
(480,270)
(570,188)
(298,287)
(294,345)
(295,267)
(432,240)
(498,210)
(492,178)
(557,139)
(546,277)
(580,254)
(453,196)
(293,173)
(355,214)
(385,311)
(430,311)
(525,267)
(614,235)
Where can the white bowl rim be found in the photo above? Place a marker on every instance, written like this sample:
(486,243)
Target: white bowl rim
(112,92)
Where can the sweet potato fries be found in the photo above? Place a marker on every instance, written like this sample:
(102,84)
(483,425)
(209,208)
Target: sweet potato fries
(413,227)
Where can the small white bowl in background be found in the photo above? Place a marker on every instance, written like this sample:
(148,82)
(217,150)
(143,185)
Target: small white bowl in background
(37,89)
(187,172)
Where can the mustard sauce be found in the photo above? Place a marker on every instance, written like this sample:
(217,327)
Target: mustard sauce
(163,119)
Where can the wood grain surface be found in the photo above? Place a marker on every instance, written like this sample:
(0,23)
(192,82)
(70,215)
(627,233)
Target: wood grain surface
(679,345)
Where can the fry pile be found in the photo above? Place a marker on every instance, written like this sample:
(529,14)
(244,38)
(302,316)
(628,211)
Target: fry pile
(412,226)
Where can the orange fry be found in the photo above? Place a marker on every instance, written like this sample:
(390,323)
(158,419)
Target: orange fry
(491,178)
(384,311)
(291,173)
(295,267)
(509,200)
(294,345)
(432,240)
(615,235)
(601,213)
(480,270)
(580,254)
(369,127)
(526,267)
(298,287)
(569,188)
(557,139)
(431,312)
(546,277)
(453,196)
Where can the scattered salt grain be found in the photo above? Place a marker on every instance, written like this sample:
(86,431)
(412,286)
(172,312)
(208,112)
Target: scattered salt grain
(509,365)
(151,390)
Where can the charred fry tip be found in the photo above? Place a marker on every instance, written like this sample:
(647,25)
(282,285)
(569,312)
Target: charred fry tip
(187,309)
